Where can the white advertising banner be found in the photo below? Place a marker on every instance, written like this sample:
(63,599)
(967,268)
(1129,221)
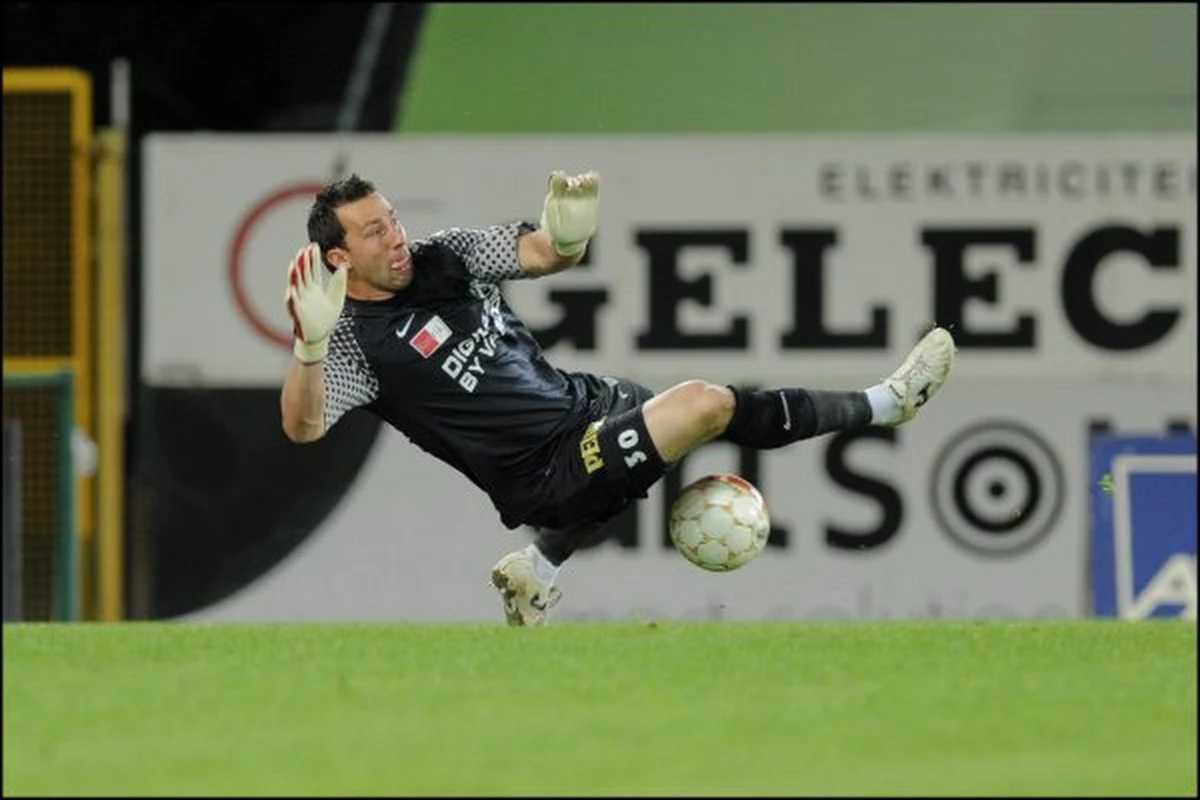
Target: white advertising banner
(1065,266)
(978,508)
(762,258)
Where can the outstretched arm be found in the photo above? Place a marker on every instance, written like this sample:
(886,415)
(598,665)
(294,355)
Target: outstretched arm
(314,312)
(568,223)
(303,401)
(519,250)
(538,257)
(316,396)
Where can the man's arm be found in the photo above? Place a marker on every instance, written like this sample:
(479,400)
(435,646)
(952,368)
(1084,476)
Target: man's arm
(518,250)
(537,256)
(314,311)
(316,395)
(303,401)
(568,223)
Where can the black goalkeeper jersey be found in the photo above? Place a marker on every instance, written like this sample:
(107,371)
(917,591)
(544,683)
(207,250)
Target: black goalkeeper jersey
(448,364)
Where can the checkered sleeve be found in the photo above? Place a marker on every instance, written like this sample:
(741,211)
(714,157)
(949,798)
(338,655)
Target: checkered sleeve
(349,381)
(489,253)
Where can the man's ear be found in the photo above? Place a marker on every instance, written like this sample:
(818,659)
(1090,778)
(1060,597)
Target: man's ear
(338,258)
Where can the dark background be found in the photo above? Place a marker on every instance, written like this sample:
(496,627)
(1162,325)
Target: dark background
(204,516)
(239,67)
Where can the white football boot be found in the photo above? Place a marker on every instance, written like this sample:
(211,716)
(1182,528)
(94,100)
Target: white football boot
(526,597)
(922,374)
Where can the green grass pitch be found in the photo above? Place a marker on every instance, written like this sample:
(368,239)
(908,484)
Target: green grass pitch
(895,708)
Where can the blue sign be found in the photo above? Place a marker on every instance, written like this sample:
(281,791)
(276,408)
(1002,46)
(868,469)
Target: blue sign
(1143,519)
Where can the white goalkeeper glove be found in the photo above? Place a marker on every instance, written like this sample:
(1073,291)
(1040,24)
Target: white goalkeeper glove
(569,212)
(314,309)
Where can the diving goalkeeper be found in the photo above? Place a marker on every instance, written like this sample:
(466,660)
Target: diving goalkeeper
(416,332)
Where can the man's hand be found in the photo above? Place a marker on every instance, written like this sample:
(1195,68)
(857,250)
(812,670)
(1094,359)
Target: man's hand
(314,309)
(569,212)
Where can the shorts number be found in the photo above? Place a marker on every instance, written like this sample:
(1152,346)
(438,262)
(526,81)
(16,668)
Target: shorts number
(628,439)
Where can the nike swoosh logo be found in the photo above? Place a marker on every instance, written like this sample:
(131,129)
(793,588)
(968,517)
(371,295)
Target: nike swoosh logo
(401,331)
(787,414)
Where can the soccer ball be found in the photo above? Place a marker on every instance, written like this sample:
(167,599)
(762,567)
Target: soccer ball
(720,522)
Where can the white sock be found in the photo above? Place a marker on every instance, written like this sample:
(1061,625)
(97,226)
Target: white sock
(884,408)
(545,571)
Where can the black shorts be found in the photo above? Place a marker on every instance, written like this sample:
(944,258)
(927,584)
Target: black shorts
(604,464)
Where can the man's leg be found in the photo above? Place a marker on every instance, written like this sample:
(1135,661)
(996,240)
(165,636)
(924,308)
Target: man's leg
(693,413)
(525,578)
(558,544)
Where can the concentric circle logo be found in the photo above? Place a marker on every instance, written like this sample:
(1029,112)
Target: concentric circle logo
(997,489)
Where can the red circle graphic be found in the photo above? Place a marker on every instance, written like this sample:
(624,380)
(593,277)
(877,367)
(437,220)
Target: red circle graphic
(280,336)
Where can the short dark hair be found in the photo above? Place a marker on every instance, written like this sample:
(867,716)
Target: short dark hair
(324,227)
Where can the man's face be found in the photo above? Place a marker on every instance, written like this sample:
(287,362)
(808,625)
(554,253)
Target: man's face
(377,246)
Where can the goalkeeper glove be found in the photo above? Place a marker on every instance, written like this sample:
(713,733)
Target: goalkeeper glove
(314,309)
(569,212)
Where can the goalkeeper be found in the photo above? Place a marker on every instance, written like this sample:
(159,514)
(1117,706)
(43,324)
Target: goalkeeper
(417,332)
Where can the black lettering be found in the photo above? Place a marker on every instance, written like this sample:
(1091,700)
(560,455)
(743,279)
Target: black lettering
(939,181)
(578,323)
(863,175)
(1129,173)
(890,504)
(1160,249)
(1012,179)
(808,298)
(668,290)
(829,181)
(1166,182)
(901,181)
(1042,178)
(952,288)
(1070,179)
(975,171)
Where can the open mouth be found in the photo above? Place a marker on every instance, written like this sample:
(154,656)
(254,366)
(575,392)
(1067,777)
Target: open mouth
(401,264)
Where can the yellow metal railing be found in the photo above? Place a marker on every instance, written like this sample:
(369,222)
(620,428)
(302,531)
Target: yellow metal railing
(110,362)
(51,288)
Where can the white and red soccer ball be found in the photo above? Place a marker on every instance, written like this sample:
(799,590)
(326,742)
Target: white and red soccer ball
(720,522)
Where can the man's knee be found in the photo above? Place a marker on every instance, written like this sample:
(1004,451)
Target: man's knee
(710,406)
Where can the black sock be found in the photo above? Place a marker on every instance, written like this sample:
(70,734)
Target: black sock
(766,419)
(558,544)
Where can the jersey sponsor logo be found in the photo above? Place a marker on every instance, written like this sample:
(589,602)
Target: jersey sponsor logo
(589,448)
(465,362)
(431,336)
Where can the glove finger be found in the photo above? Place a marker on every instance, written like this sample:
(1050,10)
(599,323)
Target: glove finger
(589,184)
(296,268)
(558,183)
(293,275)
(312,260)
(295,278)
(297,329)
